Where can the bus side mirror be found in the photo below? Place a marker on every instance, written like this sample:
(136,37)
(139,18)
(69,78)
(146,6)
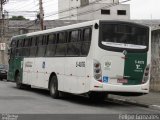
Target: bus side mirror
(96,26)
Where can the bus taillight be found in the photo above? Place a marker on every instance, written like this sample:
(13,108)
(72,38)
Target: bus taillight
(97,65)
(146,74)
(97,71)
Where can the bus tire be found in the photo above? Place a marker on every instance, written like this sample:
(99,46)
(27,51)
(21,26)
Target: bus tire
(53,87)
(97,96)
(18,81)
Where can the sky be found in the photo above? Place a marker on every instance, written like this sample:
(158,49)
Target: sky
(145,9)
(140,9)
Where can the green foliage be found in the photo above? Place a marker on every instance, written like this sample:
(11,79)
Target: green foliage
(18,18)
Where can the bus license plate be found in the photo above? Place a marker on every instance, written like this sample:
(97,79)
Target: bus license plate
(122,81)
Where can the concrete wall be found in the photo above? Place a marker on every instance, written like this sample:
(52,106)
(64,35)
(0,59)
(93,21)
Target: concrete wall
(75,12)
(155,69)
(97,15)
(66,8)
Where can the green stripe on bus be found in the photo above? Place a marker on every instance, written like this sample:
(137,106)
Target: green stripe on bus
(15,64)
(135,64)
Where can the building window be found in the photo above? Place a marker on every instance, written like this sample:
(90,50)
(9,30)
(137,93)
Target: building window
(121,12)
(106,12)
(84,2)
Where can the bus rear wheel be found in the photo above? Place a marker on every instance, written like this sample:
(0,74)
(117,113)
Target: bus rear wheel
(18,81)
(53,87)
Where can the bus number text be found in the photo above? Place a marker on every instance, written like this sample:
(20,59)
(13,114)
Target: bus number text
(80,64)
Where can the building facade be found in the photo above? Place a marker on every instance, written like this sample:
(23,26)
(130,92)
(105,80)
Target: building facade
(93,9)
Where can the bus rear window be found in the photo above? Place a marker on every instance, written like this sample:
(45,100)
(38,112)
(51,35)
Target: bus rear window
(124,36)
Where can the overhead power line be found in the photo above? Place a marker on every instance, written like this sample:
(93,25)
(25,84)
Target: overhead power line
(82,13)
(73,8)
(90,11)
(70,9)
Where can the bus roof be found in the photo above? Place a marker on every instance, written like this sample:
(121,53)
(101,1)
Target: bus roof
(82,24)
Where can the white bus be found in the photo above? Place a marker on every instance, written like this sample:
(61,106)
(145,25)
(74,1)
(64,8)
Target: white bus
(97,57)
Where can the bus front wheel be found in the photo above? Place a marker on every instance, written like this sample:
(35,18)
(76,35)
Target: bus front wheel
(53,87)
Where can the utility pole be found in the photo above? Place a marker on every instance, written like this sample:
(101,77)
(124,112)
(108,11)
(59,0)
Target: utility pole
(1,32)
(3,37)
(41,14)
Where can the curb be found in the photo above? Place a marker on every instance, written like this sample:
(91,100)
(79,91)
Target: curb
(156,107)
(132,103)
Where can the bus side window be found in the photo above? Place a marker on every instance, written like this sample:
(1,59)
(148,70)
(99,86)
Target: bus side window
(61,37)
(26,42)
(33,47)
(74,46)
(87,34)
(30,42)
(61,44)
(41,46)
(13,48)
(12,43)
(51,46)
(17,43)
(45,40)
(51,38)
(25,48)
(16,48)
(86,37)
(74,36)
(34,41)
(39,40)
(20,43)
(29,46)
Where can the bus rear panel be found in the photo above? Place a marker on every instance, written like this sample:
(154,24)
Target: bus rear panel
(122,58)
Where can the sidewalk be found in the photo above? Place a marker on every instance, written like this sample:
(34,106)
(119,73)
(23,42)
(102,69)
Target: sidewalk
(151,100)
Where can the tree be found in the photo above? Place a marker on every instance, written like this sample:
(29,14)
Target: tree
(18,18)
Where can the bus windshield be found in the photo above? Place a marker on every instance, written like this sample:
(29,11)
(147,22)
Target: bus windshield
(124,36)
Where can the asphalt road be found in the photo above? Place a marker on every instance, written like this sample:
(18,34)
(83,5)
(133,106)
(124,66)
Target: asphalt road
(35,101)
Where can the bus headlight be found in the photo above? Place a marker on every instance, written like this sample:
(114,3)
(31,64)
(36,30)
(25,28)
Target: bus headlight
(146,74)
(97,70)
